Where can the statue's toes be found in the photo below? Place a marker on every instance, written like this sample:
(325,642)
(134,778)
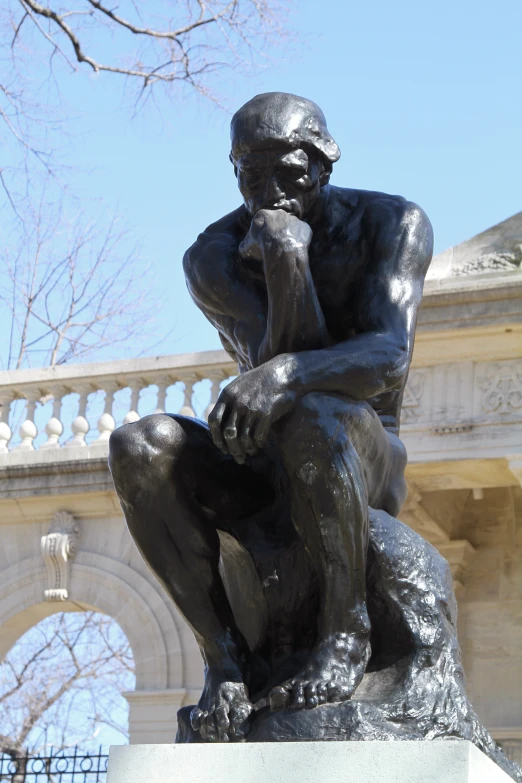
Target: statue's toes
(239,722)
(279,698)
(195,718)
(297,699)
(322,693)
(310,694)
(222,723)
(208,727)
(203,725)
(338,692)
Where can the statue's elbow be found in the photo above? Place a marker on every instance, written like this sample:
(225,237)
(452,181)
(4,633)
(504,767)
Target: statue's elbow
(398,367)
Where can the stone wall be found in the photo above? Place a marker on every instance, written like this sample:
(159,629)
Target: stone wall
(490,608)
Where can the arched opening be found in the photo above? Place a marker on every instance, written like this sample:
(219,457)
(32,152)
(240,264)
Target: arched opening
(61,684)
(167,661)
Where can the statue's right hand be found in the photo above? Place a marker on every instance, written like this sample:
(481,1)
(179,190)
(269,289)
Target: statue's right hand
(275,231)
(247,408)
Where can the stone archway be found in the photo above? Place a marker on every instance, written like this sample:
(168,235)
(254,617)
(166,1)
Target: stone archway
(156,635)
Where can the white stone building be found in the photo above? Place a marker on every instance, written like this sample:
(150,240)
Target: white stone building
(64,544)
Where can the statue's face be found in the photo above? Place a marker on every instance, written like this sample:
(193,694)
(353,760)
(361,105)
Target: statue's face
(279,179)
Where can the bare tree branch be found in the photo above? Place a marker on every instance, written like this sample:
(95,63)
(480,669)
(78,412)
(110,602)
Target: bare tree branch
(155,45)
(72,287)
(251,23)
(62,681)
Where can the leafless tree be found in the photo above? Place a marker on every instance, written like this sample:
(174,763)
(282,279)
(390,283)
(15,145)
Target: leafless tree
(62,681)
(151,44)
(172,42)
(70,287)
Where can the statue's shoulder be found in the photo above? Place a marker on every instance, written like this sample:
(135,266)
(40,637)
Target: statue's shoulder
(224,231)
(205,263)
(224,234)
(378,212)
(385,225)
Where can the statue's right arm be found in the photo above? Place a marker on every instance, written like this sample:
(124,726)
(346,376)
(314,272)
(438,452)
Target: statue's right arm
(295,320)
(228,301)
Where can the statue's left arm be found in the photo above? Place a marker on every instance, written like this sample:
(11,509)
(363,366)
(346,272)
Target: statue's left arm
(385,305)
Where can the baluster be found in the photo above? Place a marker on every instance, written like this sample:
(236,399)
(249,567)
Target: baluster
(106,423)
(54,426)
(5,429)
(28,430)
(162,395)
(133,414)
(80,426)
(215,388)
(186,408)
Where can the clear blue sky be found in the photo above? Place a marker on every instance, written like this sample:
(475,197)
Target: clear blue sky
(424,100)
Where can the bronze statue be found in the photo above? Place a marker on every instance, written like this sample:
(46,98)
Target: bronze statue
(273,529)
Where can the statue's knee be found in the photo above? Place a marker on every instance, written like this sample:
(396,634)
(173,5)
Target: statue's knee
(138,448)
(121,447)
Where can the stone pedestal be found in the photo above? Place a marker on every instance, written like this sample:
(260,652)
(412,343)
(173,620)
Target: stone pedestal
(443,761)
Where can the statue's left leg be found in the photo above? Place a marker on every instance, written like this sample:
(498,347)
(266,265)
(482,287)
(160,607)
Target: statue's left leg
(338,459)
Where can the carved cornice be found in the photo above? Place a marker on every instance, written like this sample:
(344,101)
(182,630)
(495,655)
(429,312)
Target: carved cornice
(58,549)
(490,262)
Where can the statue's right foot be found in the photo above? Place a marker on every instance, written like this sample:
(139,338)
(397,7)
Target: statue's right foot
(223,709)
(331,675)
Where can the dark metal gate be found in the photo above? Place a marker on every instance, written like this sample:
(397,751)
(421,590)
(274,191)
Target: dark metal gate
(64,766)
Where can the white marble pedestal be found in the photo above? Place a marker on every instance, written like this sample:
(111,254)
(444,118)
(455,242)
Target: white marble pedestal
(446,761)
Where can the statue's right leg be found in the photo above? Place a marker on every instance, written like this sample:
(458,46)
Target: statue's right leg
(173,484)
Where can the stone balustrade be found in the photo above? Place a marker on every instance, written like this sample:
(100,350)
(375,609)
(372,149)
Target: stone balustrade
(78,405)
(455,410)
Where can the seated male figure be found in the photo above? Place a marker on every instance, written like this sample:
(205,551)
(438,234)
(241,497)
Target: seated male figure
(314,290)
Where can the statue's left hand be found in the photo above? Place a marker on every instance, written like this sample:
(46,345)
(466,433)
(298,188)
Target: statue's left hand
(247,408)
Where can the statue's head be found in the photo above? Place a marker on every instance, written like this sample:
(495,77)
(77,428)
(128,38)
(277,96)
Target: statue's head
(282,152)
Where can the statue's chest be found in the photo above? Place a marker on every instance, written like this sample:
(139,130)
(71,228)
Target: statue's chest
(337,274)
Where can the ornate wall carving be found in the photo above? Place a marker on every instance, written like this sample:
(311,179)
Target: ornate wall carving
(501,387)
(463,395)
(58,549)
(491,262)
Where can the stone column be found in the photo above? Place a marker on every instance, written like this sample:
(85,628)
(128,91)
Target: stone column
(152,715)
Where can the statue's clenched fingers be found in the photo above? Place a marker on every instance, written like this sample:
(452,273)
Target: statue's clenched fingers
(246,434)
(249,248)
(230,434)
(215,423)
(262,430)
